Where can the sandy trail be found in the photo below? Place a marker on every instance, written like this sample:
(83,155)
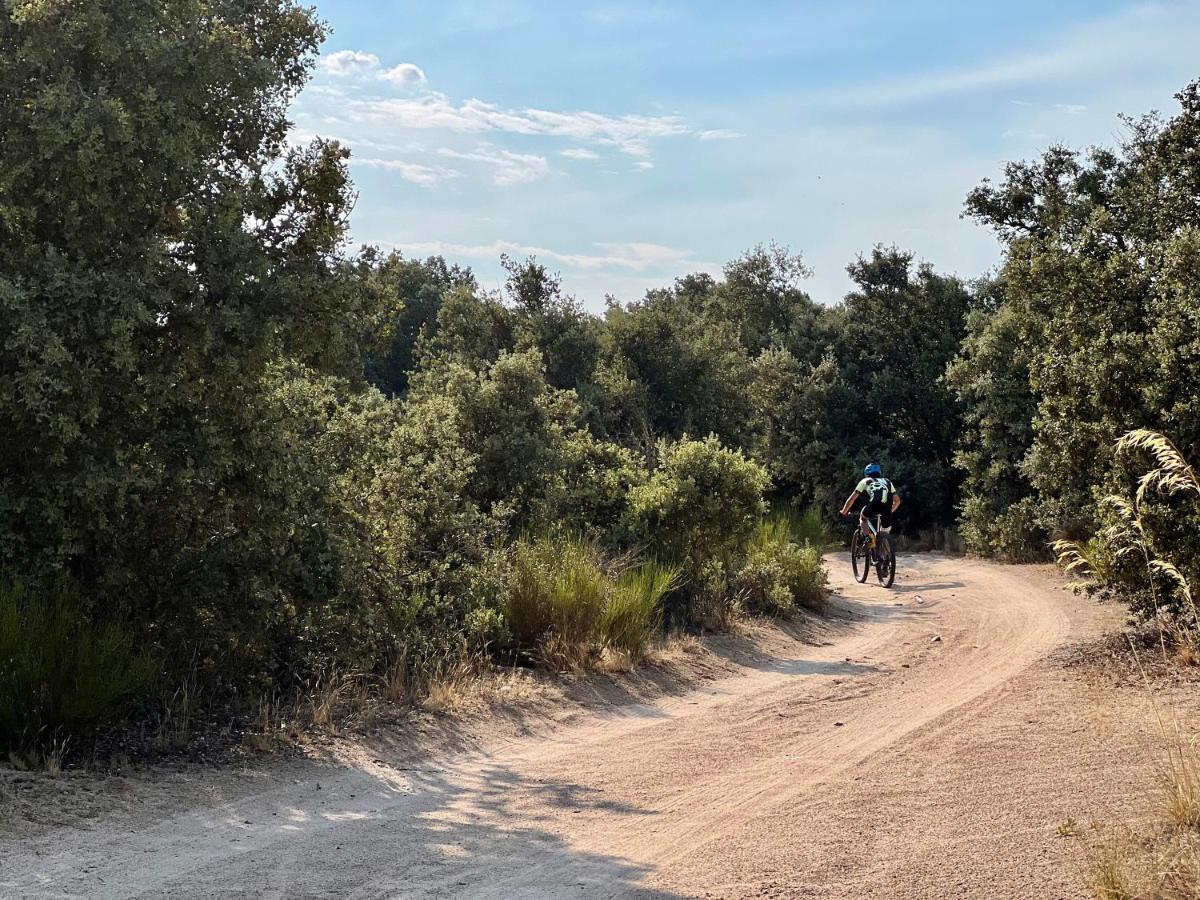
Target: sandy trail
(882,763)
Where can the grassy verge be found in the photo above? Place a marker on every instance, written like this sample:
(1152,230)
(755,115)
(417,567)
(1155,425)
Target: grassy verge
(1159,860)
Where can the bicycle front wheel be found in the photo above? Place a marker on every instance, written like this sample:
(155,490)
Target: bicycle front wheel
(885,564)
(860,558)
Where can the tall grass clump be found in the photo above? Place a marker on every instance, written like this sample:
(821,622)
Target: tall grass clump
(555,598)
(1161,861)
(61,673)
(1146,550)
(633,612)
(1138,556)
(564,605)
(808,527)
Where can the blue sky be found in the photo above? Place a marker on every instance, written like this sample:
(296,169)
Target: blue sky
(627,143)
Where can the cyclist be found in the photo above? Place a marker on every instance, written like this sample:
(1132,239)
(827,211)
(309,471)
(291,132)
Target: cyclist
(882,500)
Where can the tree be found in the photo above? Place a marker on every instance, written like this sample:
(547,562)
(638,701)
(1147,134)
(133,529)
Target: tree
(553,323)
(761,295)
(1101,287)
(991,377)
(669,369)
(896,334)
(165,258)
(421,287)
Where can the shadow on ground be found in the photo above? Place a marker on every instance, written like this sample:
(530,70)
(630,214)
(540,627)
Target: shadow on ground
(477,830)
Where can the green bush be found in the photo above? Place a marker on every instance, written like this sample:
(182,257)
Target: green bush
(780,573)
(633,613)
(1013,534)
(61,674)
(700,504)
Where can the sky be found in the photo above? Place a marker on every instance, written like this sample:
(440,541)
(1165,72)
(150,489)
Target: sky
(627,143)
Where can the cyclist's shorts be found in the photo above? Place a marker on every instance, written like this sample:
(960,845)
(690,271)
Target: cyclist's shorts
(884,513)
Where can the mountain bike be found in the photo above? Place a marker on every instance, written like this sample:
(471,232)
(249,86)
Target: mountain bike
(875,550)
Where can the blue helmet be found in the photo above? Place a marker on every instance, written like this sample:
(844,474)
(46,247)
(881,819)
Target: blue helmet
(872,469)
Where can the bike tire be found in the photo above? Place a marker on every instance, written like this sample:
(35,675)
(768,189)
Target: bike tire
(885,566)
(860,559)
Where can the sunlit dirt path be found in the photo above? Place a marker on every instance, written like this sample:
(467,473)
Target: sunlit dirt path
(929,749)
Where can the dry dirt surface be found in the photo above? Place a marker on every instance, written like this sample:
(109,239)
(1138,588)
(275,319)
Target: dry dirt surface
(930,744)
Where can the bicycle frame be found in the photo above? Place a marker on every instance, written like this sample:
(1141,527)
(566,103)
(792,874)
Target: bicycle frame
(872,527)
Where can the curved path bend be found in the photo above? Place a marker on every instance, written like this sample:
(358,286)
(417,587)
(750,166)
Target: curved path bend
(924,750)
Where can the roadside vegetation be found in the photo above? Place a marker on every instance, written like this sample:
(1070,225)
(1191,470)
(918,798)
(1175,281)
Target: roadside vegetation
(1140,555)
(244,465)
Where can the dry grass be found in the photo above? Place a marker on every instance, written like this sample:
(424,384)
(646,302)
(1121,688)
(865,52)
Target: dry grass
(1161,860)
(460,682)
(713,609)
(1134,866)
(618,662)
(447,685)
(1180,781)
(1068,828)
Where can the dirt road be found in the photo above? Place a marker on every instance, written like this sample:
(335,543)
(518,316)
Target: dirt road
(928,749)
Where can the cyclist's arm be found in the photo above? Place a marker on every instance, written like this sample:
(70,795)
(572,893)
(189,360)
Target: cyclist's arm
(849,503)
(895,502)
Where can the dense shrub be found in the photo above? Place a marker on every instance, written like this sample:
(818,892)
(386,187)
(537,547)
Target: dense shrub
(700,504)
(61,673)
(779,572)
(425,557)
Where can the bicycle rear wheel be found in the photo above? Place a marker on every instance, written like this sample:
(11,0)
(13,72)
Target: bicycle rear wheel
(885,564)
(860,558)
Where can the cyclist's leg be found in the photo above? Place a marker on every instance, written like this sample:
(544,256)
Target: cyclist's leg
(864,524)
(885,525)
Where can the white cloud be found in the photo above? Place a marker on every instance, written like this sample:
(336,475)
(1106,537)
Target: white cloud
(579,153)
(357,64)
(347,63)
(637,257)
(644,165)
(718,134)
(425,176)
(629,133)
(404,74)
(510,168)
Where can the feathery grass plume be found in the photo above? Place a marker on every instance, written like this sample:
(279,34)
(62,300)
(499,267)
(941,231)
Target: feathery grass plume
(1097,562)
(1172,475)
(1173,574)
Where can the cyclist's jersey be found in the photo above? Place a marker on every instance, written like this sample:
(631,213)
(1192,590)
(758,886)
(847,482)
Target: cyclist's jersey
(877,491)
